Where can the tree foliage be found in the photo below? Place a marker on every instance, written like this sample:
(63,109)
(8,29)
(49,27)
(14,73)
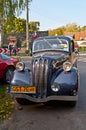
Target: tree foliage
(58,31)
(34,26)
(83,28)
(19,25)
(12,8)
(73,27)
(9,9)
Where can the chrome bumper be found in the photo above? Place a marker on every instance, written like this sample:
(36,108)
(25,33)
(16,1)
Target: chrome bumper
(46,99)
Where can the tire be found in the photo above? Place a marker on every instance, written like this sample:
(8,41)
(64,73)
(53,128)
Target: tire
(47,103)
(8,74)
(23,101)
(72,103)
(51,103)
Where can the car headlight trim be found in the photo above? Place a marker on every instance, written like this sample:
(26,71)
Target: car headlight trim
(55,87)
(20,66)
(67,66)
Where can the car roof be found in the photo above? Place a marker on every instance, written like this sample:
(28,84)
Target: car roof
(69,38)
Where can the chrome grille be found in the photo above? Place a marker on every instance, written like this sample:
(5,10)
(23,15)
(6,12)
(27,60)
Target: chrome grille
(40,73)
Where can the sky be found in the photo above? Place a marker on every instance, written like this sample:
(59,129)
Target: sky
(53,14)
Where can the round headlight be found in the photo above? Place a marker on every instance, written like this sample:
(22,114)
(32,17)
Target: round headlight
(55,87)
(67,66)
(20,66)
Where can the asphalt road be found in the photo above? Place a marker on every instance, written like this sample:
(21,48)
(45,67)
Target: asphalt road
(57,117)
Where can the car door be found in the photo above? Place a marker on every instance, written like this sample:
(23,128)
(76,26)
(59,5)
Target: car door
(1,67)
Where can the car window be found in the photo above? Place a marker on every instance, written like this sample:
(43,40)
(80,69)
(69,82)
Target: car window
(5,57)
(51,44)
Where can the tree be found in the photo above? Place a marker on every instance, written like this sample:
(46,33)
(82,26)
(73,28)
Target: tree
(34,26)
(19,25)
(68,28)
(58,31)
(83,28)
(71,27)
(10,9)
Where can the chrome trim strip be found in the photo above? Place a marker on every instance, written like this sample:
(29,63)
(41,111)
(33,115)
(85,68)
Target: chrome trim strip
(45,75)
(41,69)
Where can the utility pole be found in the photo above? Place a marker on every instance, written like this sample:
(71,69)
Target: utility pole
(27,27)
(1,22)
(1,30)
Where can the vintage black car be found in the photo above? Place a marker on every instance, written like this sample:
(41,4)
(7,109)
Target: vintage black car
(53,74)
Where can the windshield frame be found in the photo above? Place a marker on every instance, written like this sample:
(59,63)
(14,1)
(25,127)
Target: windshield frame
(49,42)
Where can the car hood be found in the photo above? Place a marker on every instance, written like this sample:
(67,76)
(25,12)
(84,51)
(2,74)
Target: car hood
(14,61)
(52,56)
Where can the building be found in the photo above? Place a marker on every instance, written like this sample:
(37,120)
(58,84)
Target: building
(78,35)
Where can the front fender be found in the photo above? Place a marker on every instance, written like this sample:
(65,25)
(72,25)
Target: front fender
(22,78)
(67,78)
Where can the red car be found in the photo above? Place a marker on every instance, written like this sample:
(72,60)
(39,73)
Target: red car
(7,66)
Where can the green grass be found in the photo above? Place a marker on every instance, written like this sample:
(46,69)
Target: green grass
(6,102)
(82,49)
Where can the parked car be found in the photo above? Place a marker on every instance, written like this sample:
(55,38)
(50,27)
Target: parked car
(7,66)
(53,74)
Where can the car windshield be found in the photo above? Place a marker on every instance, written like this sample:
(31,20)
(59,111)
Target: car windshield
(5,57)
(50,44)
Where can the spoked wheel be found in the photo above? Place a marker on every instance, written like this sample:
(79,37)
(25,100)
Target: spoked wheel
(8,74)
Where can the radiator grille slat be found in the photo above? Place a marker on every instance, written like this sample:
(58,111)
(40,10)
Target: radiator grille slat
(40,71)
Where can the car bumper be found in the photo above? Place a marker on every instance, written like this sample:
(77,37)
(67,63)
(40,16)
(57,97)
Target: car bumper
(46,99)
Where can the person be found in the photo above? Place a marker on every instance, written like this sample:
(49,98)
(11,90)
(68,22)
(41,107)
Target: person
(10,48)
(35,36)
(76,48)
(14,50)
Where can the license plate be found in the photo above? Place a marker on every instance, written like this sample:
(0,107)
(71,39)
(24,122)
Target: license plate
(23,89)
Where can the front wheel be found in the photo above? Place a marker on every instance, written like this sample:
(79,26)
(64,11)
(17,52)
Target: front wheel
(72,103)
(23,101)
(8,74)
